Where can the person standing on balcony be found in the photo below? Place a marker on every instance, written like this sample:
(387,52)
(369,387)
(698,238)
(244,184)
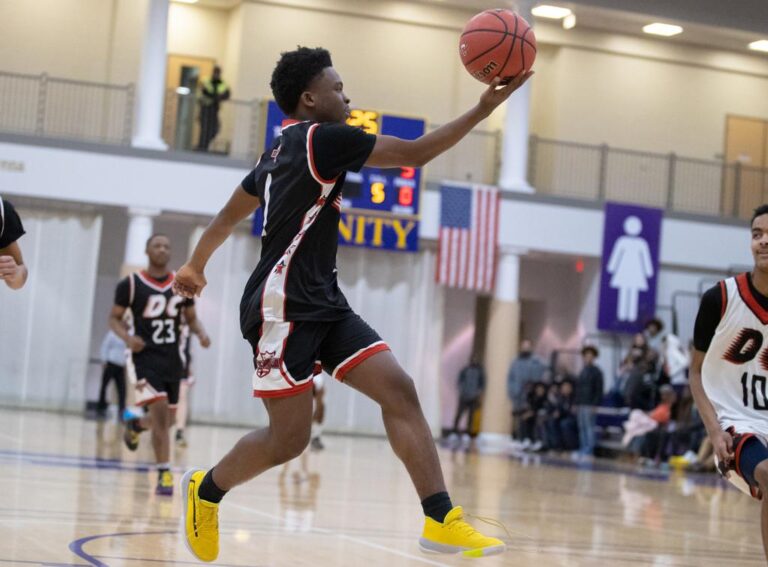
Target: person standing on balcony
(213,92)
(12,269)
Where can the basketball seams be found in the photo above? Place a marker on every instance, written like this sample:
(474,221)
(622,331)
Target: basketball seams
(485,30)
(530,43)
(478,56)
(502,20)
(511,49)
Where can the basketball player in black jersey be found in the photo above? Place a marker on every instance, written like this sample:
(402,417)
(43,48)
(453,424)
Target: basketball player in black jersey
(293,312)
(156,361)
(12,269)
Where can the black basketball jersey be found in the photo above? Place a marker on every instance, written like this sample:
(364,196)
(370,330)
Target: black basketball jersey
(156,314)
(11,228)
(298,181)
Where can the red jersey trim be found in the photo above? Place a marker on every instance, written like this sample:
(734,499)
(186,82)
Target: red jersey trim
(742,283)
(156,284)
(311,159)
(283,393)
(724,299)
(340,372)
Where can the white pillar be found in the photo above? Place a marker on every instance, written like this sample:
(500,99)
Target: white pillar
(150,94)
(501,347)
(508,274)
(140,228)
(514,149)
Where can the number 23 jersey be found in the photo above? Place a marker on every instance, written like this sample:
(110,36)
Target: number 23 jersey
(735,369)
(156,318)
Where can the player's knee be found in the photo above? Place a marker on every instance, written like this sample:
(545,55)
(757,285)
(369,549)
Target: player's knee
(288,447)
(403,397)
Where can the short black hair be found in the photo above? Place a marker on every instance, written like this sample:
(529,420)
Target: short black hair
(592,349)
(293,73)
(656,322)
(151,238)
(759,211)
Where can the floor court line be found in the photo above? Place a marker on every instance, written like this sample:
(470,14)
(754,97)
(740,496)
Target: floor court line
(341,536)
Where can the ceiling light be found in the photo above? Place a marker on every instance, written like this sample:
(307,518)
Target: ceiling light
(662,29)
(569,22)
(186,1)
(553,12)
(759,45)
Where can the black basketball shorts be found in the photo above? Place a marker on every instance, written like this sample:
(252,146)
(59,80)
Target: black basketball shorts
(284,353)
(151,386)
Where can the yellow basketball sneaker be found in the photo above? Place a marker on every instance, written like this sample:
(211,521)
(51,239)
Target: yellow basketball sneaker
(455,535)
(200,518)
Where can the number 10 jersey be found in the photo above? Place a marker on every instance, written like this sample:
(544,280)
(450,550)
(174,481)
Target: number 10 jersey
(156,318)
(735,369)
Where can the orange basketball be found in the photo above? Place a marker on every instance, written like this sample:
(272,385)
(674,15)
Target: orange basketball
(497,43)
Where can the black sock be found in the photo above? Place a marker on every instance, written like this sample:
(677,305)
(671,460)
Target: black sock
(437,506)
(208,490)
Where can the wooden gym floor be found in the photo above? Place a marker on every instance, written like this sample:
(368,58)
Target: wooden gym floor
(72,495)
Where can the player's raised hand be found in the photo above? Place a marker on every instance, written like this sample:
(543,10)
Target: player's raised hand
(499,91)
(189,282)
(205,340)
(722,445)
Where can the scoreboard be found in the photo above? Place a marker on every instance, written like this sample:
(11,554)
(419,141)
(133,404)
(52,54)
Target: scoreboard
(380,207)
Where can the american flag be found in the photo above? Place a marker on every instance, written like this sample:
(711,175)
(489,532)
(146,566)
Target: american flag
(469,225)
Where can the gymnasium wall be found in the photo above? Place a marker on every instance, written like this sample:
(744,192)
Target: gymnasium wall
(87,40)
(198,31)
(645,98)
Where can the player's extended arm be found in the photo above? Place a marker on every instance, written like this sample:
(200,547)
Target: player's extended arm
(12,268)
(189,280)
(196,326)
(390,151)
(722,442)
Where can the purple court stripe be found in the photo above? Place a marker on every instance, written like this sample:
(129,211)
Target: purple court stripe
(76,546)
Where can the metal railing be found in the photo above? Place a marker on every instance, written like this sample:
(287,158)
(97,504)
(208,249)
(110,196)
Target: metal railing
(63,108)
(679,184)
(239,132)
(475,159)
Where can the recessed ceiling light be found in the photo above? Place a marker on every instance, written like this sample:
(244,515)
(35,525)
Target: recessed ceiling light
(553,12)
(569,22)
(662,29)
(759,45)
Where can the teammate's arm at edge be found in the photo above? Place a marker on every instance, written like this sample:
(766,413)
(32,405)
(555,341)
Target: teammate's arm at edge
(12,268)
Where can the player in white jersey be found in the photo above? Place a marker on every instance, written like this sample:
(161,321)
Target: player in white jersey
(729,369)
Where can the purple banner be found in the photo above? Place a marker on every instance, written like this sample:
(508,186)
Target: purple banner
(630,267)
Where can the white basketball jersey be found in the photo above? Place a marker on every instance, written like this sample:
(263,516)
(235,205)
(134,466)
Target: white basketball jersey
(735,369)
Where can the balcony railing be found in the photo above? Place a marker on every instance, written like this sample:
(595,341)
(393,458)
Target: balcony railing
(49,106)
(62,108)
(669,181)
(239,135)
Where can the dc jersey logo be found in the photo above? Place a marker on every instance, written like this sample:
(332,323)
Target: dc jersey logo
(158,304)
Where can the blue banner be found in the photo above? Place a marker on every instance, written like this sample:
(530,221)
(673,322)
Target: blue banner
(630,267)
